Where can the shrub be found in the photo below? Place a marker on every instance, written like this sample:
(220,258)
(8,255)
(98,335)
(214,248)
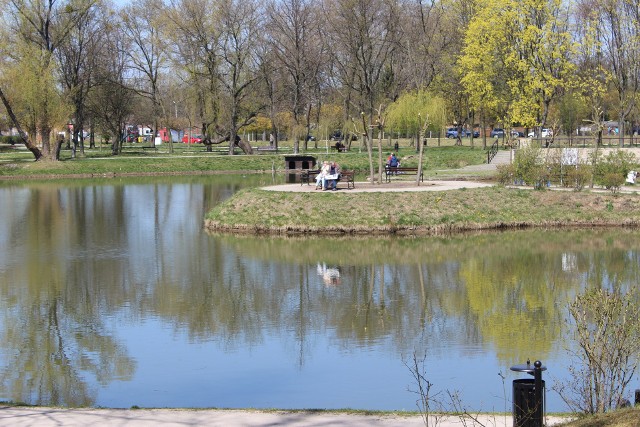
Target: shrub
(611,170)
(612,181)
(606,327)
(578,177)
(506,174)
(527,164)
(10,139)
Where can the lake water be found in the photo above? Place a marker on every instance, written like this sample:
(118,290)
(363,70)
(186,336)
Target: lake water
(113,295)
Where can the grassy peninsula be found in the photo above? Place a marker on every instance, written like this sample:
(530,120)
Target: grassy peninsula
(261,211)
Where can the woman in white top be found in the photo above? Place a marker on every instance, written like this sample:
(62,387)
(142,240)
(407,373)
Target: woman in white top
(324,171)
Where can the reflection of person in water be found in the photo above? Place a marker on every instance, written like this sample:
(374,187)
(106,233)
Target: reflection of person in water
(330,276)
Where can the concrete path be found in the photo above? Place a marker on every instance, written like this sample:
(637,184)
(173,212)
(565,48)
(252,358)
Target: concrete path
(56,417)
(393,186)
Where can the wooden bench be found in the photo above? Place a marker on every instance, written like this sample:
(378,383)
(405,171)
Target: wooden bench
(307,175)
(267,149)
(391,171)
(347,176)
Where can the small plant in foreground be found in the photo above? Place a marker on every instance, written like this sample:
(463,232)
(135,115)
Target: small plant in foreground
(431,405)
(606,328)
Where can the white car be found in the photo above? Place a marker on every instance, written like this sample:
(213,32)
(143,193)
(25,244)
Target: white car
(546,133)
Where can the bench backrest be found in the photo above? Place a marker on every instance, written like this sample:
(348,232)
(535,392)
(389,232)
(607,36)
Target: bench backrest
(402,168)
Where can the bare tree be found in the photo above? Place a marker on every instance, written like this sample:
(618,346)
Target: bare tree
(427,38)
(43,27)
(239,23)
(363,40)
(618,26)
(194,34)
(141,25)
(270,85)
(77,57)
(294,35)
(112,98)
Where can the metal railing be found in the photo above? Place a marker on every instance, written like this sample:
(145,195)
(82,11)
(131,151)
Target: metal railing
(492,152)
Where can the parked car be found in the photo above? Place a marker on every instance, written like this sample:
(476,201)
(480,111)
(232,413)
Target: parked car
(193,139)
(337,136)
(497,133)
(453,133)
(516,133)
(546,133)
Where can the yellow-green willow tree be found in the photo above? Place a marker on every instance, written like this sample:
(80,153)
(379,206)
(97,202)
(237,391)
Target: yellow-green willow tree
(517,59)
(34,31)
(403,115)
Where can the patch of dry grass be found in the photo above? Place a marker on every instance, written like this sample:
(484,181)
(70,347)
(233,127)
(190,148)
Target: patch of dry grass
(262,211)
(629,417)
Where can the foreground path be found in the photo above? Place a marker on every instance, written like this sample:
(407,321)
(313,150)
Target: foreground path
(394,186)
(50,417)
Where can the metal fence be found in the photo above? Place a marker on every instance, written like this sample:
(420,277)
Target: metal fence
(608,141)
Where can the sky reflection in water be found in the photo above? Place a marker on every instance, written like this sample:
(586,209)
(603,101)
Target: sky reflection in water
(124,300)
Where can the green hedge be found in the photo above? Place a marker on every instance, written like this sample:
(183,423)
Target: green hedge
(10,139)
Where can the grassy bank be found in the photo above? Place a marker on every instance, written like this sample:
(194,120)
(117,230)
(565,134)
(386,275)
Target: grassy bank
(261,211)
(628,417)
(17,163)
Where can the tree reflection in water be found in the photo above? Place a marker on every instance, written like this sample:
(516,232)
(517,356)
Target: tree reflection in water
(88,264)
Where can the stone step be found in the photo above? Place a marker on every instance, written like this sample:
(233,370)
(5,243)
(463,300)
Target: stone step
(502,157)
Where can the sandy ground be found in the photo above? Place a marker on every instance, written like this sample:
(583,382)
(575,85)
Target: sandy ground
(45,417)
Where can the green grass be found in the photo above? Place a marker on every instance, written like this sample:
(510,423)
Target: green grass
(256,210)
(194,159)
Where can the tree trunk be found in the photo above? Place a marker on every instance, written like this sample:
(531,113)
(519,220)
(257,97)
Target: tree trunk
(45,134)
(232,140)
(380,165)
(59,143)
(368,131)
(483,125)
(23,136)
(419,157)
(621,120)
(74,146)
(245,146)
(92,137)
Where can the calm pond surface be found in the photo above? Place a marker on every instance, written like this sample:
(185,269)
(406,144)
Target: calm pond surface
(113,295)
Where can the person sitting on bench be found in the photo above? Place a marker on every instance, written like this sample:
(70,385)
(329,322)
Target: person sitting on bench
(320,179)
(392,161)
(334,173)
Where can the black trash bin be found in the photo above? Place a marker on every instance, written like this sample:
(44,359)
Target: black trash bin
(528,396)
(527,410)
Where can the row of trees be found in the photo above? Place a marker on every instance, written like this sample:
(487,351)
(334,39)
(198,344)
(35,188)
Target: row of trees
(297,66)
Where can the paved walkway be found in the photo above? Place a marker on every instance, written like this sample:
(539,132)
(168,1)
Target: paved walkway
(408,183)
(367,187)
(56,417)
